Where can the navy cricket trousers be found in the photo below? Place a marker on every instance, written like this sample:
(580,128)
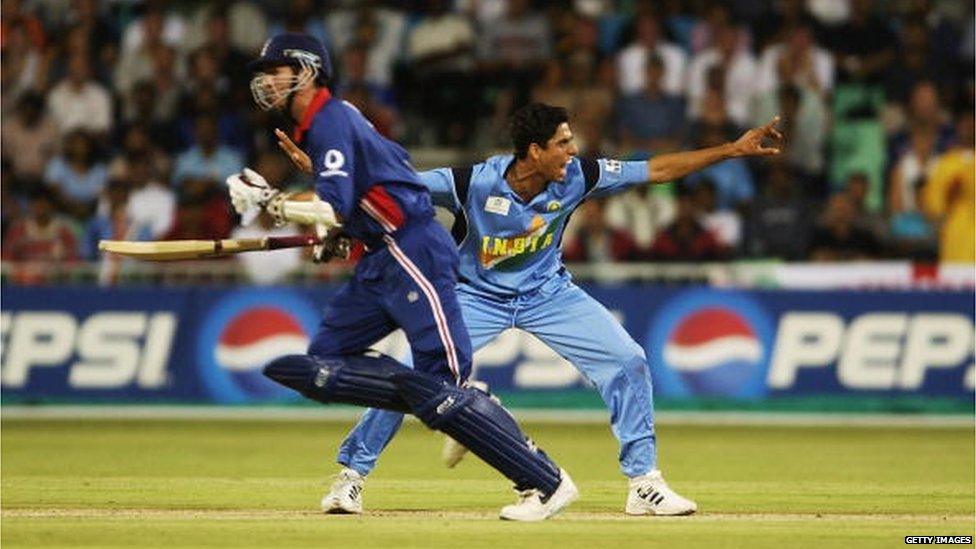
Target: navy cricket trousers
(408,284)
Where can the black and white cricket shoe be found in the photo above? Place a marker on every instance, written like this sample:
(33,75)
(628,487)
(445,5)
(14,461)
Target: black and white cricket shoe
(346,495)
(650,495)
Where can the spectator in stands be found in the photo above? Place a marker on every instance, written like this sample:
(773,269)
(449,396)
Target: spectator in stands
(208,161)
(732,179)
(201,213)
(156,25)
(512,53)
(725,224)
(796,59)
(23,65)
(230,61)
(916,61)
(910,172)
(355,74)
(804,118)
(11,195)
(519,41)
(78,102)
(738,70)
(269,268)
(441,50)
(642,212)
(151,202)
(14,16)
(376,29)
(90,19)
(143,38)
(114,223)
(29,138)
(864,45)
(779,222)
(382,117)
(303,16)
(167,80)
(42,235)
(597,242)
(857,188)
(77,176)
(912,233)
(839,238)
(632,60)
(950,195)
(651,121)
(142,109)
(924,121)
(232,130)
(685,239)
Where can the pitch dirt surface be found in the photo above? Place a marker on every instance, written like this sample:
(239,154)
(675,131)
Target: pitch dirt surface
(249,483)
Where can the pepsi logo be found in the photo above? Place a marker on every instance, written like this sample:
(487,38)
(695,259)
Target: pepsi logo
(244,330)
(256,336)
(709,338)
(710,343)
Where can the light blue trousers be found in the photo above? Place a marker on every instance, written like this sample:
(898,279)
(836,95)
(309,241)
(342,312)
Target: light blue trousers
(579,329)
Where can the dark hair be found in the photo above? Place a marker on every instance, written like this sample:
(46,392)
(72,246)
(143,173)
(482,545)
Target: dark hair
(535,123)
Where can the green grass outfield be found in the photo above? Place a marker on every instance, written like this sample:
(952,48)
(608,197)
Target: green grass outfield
(243,483)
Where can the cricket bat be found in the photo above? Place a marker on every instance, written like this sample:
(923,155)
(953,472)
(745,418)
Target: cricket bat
(171,250)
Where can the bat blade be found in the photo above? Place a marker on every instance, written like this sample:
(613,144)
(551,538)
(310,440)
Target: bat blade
(172,250)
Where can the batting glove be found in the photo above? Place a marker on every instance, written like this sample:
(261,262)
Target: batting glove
(332,246)
(249,191)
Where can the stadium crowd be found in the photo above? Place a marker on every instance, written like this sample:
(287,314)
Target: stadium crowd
(121,119)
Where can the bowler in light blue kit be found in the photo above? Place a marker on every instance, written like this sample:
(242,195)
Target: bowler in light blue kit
(511,211)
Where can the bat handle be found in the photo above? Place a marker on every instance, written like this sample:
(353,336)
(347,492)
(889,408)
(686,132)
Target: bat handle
(297,241)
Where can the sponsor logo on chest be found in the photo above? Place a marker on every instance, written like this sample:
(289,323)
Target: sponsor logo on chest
(498,205)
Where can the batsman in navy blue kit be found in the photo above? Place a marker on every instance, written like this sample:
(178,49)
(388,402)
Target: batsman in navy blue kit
(366,188)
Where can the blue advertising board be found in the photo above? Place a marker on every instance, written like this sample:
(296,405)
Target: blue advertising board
(207,345)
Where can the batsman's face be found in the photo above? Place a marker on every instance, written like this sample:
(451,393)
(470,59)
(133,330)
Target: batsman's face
(272,87)
(559,152)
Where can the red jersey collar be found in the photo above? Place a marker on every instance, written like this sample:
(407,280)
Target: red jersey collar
(313,108)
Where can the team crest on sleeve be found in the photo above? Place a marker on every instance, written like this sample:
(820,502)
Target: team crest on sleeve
(334,161)
(612,166)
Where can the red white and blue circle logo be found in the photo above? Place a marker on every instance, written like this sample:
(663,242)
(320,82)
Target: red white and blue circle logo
(244,331)
(710,343)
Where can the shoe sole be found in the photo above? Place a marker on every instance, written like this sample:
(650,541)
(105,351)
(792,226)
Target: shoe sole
(336,509)
(653,514)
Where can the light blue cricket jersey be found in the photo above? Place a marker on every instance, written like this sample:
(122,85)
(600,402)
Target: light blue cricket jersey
(508,247)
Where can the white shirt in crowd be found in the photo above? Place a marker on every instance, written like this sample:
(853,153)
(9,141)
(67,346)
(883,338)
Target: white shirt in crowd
(768,77)
(271,267)
(740,80)
(88,108)
(153,205)
(632,68)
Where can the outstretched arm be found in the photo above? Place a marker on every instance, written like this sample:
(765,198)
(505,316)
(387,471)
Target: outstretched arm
(668,167)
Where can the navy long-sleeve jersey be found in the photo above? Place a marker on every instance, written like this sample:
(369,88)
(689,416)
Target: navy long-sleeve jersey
(366,178)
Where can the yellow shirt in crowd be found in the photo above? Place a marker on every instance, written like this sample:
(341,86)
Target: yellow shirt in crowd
(950,195)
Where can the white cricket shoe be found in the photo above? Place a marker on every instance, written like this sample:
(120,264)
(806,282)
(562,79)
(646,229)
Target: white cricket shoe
(531,508)
(346,495)
(650,495)
(453,451)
